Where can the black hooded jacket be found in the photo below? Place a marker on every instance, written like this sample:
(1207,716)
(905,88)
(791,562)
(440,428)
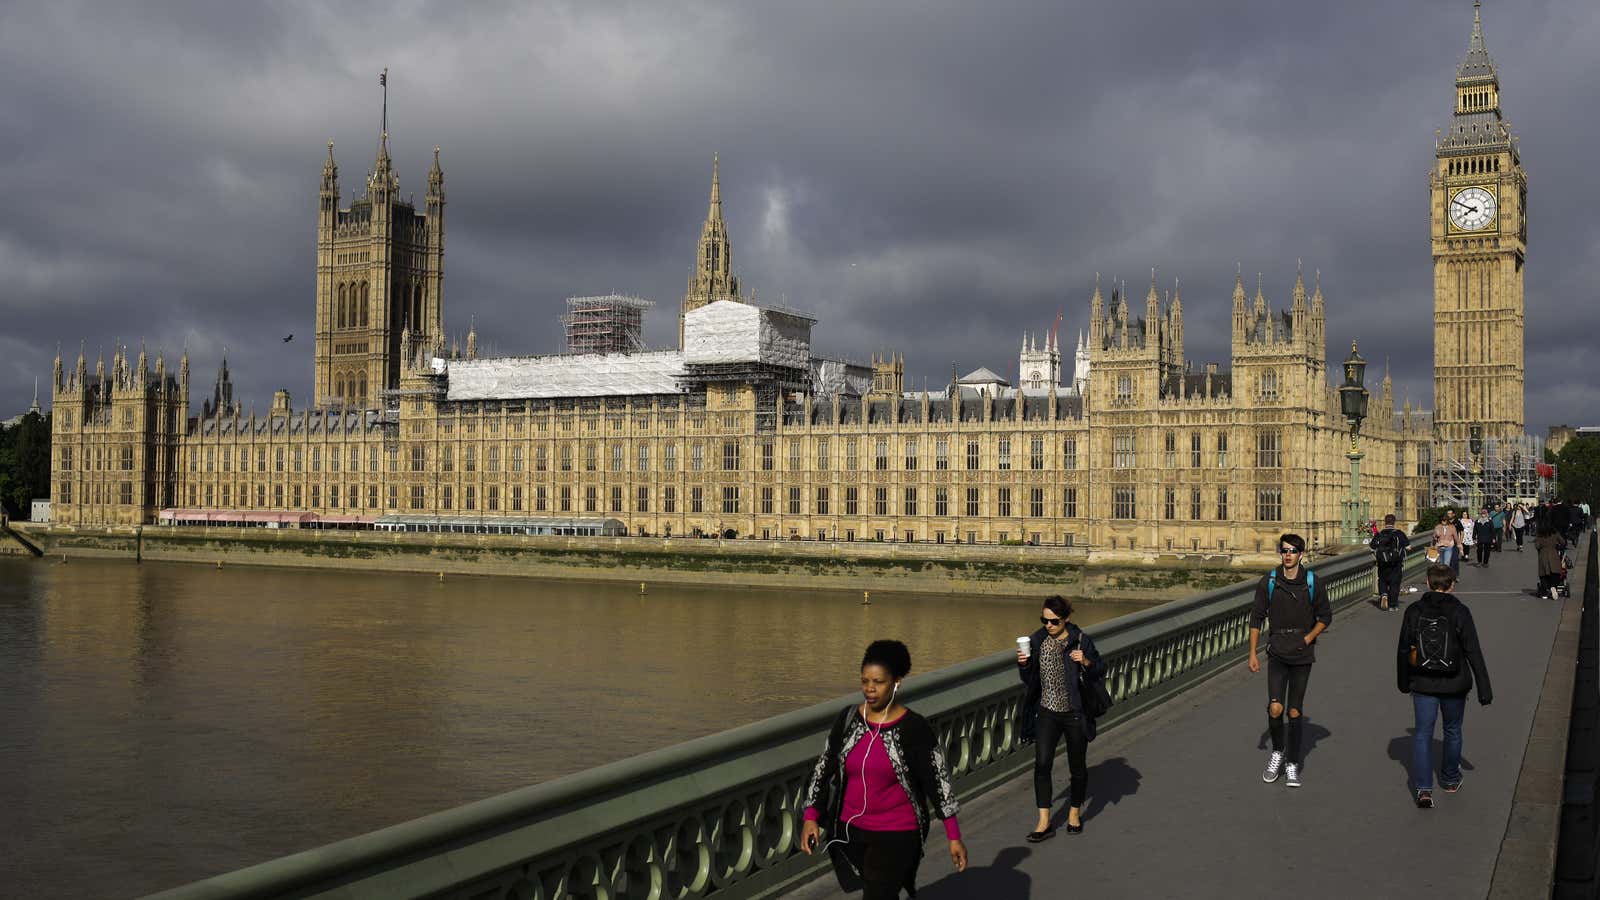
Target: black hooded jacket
(1409,680)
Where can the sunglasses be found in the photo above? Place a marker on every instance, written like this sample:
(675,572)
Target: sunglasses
(1046,621)
(1287,550)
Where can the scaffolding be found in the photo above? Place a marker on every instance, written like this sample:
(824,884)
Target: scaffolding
(613,323)
(1498,471)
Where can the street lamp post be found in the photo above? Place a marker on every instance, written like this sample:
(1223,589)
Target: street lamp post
(1475,447)
(1353,403)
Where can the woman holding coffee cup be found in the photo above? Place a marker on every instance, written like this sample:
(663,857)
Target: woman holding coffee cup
(1053,663)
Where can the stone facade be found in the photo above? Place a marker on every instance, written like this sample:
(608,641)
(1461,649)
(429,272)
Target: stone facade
(1142,453)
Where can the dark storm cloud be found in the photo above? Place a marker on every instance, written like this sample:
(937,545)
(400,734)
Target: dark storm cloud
(933,178)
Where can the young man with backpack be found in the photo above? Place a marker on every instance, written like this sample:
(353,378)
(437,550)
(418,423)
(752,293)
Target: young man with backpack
(1389,548)
(1295,607)
(1437,663)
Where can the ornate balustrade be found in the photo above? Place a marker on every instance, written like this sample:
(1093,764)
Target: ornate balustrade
(719,816)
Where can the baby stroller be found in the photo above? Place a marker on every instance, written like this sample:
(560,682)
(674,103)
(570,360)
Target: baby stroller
(1560,588)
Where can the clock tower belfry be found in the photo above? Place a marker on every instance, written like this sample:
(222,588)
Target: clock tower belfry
(1478,198)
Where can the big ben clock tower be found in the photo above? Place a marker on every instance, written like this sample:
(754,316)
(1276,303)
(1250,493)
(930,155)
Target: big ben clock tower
(1480,234)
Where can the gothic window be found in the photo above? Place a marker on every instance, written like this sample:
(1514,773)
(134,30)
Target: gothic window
(909,507)
(1036,452)
(941,501)
(1069,453)
(361,395)
(972,457)
(338,318)
(1171,458)
(1124,388)
(1194,453)
(1269,504)
(880,456)
(822,501)
(1122,451)
(1005,454)
(1122,502)
(794,501)
(1268,453)
(1269,384)
(1069,503)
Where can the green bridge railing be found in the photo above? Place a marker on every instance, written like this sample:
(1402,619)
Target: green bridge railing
(719,816)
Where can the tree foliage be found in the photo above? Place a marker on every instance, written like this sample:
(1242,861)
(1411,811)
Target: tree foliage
(24,464)
(1433,515)
(1578,471)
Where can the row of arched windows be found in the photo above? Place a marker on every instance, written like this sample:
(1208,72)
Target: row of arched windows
(352,390)
(1481,166)
(1477,100)
(350,309)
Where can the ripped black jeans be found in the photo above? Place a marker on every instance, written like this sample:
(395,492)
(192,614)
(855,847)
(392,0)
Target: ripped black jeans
(1286,686)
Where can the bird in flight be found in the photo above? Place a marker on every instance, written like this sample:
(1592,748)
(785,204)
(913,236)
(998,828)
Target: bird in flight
(288,339)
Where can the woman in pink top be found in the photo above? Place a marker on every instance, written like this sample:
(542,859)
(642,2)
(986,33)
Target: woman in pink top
(870,791)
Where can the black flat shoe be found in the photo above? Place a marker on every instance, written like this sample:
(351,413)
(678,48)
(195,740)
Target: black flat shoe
(1037,837)
(1074,829)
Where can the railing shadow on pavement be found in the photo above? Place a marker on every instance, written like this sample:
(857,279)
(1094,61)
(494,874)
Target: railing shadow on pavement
(721,814)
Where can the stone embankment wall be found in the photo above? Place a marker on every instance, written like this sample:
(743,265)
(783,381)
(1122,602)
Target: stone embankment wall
(923,568)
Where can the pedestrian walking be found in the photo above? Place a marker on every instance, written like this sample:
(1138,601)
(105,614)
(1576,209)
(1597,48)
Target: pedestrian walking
(1059,669)
(1484,530)
(1437,662)
(879,774)
(1389,550)
(1519,523)
(1469,537)
(1548,544)
(1295,610)
(1447,539)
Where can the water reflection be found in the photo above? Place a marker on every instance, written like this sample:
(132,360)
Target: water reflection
(167,722)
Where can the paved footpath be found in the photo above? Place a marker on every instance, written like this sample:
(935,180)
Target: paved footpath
(1177,807)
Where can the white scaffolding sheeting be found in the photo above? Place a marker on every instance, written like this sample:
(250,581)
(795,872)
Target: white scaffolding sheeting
(550,377)
(731,332)
(837,376)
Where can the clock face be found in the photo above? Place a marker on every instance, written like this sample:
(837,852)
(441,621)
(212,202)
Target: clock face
(1472,209)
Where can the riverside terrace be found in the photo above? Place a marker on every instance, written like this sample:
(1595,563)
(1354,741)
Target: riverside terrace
(1176,806)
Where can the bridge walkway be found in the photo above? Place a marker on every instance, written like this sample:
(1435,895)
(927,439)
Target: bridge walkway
(1176,806)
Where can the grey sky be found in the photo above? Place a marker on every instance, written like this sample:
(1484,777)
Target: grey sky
(928,177)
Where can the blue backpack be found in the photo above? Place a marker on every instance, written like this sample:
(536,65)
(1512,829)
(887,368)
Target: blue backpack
(1311,584)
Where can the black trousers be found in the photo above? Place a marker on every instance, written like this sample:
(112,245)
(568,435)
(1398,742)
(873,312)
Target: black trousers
(1051,727)
(1286,684)
(1483,552)
(1389,582)
(886,860)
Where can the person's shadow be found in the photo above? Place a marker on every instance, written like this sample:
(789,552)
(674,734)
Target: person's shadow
(1000,878)
(1109,781)
(1310,734)
(1400,752)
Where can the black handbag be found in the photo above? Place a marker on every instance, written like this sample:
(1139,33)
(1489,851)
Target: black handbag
(1092,691)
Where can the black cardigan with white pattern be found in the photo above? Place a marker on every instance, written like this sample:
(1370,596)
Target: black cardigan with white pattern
(914,753)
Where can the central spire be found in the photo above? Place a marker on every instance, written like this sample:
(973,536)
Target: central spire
(713,277)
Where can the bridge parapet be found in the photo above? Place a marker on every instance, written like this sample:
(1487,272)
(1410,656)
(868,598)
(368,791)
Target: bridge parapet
(721,814)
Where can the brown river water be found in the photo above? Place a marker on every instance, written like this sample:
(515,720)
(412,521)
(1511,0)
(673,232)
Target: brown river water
(163,722)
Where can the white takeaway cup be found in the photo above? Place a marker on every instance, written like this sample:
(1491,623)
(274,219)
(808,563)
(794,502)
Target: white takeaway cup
(1023,645)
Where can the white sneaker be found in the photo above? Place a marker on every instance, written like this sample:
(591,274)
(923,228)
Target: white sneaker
(1274,766)
(1292,775)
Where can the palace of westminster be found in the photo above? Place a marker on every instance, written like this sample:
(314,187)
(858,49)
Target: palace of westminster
(743,430)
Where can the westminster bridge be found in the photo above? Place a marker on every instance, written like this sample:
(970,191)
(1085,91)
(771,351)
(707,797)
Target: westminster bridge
(1176,806)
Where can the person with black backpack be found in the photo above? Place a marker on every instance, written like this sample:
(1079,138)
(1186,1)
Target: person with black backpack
(1297,608)
(1437,662)
(1389,548)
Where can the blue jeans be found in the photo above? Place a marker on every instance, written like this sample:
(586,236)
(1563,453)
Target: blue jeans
(1427,708)
(1447,557)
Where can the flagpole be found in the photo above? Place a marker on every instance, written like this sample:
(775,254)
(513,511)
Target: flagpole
(383,82)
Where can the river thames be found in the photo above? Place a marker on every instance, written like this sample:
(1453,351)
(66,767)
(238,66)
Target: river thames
(164,722)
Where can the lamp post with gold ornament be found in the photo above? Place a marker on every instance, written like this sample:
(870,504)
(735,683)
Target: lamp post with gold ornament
(1353,403)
